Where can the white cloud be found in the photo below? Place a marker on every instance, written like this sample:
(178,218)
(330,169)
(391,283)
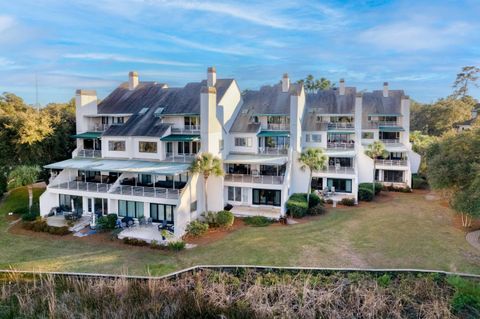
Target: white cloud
(123,58)
(415,35)
(6,22)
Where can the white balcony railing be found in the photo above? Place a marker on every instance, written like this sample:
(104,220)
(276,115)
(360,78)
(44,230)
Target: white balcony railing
(339,170)
(98,127)
(340,146)
(186,129)
(340,125)
(128,190)
(390,141)
(272,150)
(255,179)
(89,153)
(377,124)
(388,123)
(391,162)
(278,127)
(181,158)
(84,186)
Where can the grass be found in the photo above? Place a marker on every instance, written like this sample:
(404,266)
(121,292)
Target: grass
(405,231)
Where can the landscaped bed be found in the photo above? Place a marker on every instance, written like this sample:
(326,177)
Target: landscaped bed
(243,293)
(396,230)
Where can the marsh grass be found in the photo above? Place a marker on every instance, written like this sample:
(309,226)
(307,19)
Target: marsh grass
(235,294)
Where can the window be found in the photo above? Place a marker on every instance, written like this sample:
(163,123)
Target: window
(161,212)
(66,201)
(169,147)
(100,205)
(235,194)
(367,135)
(243,141)
(147,147)
(117,120)
(116,146)
(313,138)
(193,206)
(191,122)
(393,176)
(341,185)
(183,147)
(266,197)
(104,119)
(130,209)
(254,119)
(220,145)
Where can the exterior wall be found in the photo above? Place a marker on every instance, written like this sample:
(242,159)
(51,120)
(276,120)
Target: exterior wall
(243,149)
(128,153)
(141,155)
(85,104)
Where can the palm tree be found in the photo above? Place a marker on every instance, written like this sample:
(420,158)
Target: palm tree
(207,164)
(314,159)
(24,175)
(374,151)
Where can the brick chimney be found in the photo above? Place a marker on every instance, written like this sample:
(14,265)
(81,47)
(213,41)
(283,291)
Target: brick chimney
(132,80)
(285,83)
(211,76)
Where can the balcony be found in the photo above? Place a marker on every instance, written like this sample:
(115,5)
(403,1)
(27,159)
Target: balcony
(339,170)
(390,141)
(186,129)
(385,162)
(179,158)
(89,153)
(273,151)
(341,145)
(340,126)
(144,191)
(98,127)
(84,186)
(277,127)
(254,179)
(377,124)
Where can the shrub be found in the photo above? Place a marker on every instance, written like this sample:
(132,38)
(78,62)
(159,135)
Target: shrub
(21,210)
(107,222)
(155,245)
(317,210)
(329,201)
(176,245)
(419,182)
(347,201)
(196,228)
(257,221)
(30,217)
(384,280)
(393,188)
(314,200)
(466,300)
(365,194)
(225,219)
(297,205)
(134,241)
(42,226)
(211,219)
(378,186)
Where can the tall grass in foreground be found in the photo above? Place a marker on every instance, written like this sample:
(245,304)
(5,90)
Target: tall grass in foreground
(241,294)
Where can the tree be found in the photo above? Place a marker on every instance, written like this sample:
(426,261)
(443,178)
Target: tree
(374,151)
(453,166)
(420,144)
(312,85)
(468,75)
(206,164)
(315,160)
(24,175)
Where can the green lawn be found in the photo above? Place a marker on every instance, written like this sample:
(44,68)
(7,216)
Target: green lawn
(407,231)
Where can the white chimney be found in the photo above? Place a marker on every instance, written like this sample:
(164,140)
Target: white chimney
(211,76)
(385,89)
(285,83)
(132,80)
(341,90)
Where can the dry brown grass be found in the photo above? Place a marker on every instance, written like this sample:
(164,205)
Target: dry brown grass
(240,294)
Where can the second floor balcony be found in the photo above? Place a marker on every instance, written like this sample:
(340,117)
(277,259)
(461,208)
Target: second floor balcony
(254,178)
(84,186)
(391,162)
(273,150)
(277,126)
(337,169)
(331,126)
(145,191)
(89,153)
(349,145)
(186,129)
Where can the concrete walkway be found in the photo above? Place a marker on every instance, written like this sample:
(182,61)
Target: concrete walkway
(473,239)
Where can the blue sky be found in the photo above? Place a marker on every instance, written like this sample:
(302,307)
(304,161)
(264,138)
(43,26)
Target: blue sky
(418,46)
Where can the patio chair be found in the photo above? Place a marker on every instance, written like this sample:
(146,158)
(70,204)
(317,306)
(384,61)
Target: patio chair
(149,220)
(142,221)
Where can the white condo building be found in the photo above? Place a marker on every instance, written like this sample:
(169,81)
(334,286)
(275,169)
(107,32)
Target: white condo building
(135,147)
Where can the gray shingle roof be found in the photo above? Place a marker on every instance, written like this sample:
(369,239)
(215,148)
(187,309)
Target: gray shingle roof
(375,103)
(327,102)
(153,95)
(266,101)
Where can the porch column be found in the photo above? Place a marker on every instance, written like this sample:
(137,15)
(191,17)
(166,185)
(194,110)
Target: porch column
(173,181)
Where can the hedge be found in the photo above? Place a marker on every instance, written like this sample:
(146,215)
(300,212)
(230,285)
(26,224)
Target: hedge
(378,186)
(419,182)
(196,228)
(297,205)
(365,194)
(257,221)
